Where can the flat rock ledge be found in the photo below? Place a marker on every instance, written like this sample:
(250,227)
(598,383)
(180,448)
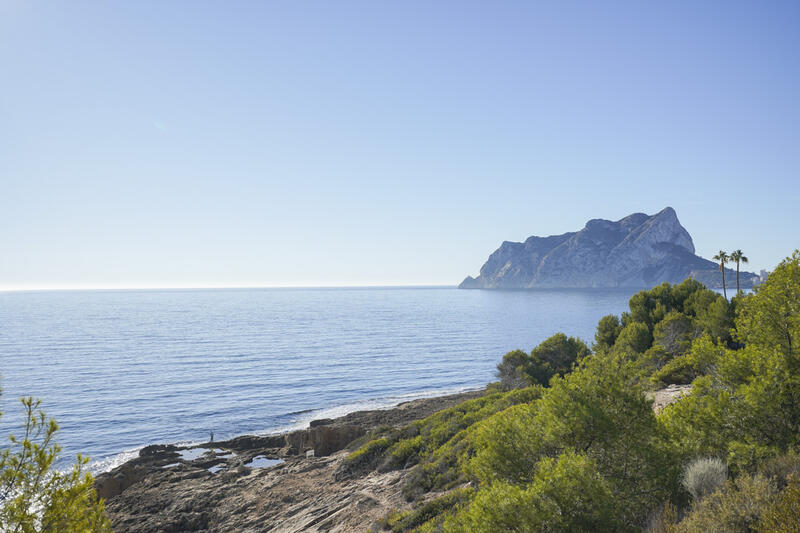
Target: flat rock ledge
(262,483)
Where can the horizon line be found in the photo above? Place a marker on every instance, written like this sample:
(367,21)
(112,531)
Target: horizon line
(61,288)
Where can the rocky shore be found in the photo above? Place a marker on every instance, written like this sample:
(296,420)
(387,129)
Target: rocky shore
(251,483)
(290,482)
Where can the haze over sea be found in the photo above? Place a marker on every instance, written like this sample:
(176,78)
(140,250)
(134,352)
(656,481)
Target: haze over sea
(125,368)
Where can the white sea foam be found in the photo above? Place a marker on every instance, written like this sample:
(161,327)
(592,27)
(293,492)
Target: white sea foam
(302,421)
(110,463)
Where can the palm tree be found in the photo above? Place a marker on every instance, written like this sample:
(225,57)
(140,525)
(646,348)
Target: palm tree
(722,257)
(738,256)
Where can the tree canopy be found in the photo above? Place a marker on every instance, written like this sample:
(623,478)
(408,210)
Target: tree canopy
(555,356)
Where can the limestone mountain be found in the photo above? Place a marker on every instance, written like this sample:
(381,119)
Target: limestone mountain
(636,251)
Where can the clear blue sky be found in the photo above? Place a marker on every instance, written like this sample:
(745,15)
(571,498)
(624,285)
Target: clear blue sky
(350,143)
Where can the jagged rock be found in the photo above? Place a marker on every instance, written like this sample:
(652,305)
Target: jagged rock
(108,486)
(638,251)
(329,439)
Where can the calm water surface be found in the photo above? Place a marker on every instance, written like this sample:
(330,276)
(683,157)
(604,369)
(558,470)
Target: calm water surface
(122,369)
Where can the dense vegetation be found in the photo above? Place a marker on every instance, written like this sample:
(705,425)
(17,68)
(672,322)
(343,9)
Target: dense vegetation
(34,497)
(569,441)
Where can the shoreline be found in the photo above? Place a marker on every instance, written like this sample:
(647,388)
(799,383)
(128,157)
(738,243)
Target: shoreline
(161,472)
(109,463)
(286,482)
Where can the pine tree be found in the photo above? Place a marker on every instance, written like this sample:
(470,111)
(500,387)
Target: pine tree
(36,498)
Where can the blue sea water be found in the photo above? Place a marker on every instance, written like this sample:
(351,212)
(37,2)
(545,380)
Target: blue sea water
(123,369)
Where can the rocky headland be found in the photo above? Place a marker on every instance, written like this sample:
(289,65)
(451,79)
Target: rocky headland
(637,251)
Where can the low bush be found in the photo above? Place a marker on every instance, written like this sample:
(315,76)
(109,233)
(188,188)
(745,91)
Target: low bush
(566,494)
(664,520)
(409,520)
(704,476)
(700,360)
(737,507)
(365,458)
(783,516)
(434,445)
(782,468)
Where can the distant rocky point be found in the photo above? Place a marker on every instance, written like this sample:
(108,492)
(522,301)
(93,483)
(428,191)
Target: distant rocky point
(639,251)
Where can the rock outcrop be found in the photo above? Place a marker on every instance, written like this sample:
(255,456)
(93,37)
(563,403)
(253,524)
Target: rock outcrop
(639,251)
(254,483)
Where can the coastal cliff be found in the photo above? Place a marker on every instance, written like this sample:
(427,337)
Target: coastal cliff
(636,251)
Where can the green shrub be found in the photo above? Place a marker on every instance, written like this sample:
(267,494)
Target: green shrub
(745,408)
(669,316)
(608,329)
(716,319)
(555,356)
(664,520)
(447,441)
(597,409)
(440,470)
(782,515)
(771,317)
(781,468)
(34,496)
(566,494)
(635,337)
(436,444)
(704,476)
(737,507)
(428,511)
(365,458)
(512,370)
(651,306)
(701,359)
(507,445)
(675,333)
